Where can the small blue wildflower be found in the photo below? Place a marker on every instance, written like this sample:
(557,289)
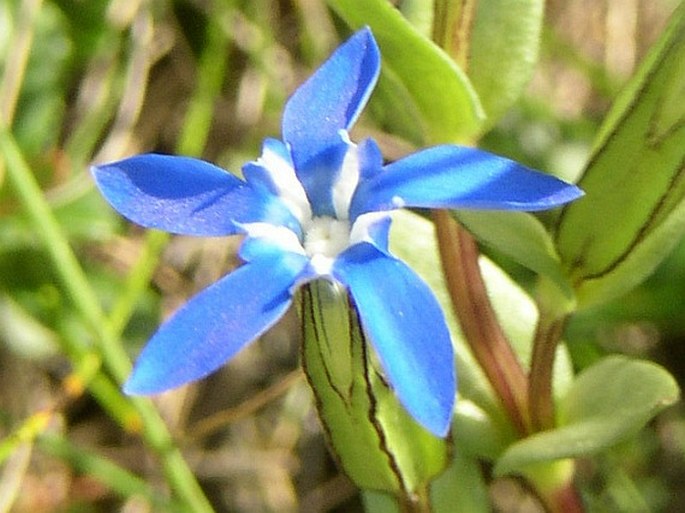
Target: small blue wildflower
(316,206)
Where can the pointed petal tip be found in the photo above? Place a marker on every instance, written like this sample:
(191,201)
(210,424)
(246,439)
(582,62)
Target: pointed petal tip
(145,380)
(574,192)
(132,387)
(332,98)
(566,193)
(138,384)
(438,419)
(458,177)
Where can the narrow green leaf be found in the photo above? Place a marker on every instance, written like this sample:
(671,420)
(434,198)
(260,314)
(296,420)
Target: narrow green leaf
(406,122)
(634,209)
(41,102)
(375,440)
(607,403)
(449,107)
(118,479)
(504,51)
(23,333)
(521,236)
(419,13)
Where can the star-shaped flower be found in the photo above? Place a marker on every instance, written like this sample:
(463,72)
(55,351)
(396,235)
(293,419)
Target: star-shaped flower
(316,206)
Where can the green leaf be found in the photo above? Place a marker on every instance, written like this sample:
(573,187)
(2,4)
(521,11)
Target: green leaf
(504,51)
(23,333)
(521,236)
(460,489)
(419,13)
(375,440)
(449,107)
(406,122)
(634,209)
(42,102)
(607,403)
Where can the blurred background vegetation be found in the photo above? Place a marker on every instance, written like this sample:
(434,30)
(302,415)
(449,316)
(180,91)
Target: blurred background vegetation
(87,81)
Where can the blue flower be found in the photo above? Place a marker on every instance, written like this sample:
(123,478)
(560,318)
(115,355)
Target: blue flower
(316,206)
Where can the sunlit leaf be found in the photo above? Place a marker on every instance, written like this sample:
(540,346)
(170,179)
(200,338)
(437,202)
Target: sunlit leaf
(521,236)
(634,210)
(503,52)
(375,440)
(606,404)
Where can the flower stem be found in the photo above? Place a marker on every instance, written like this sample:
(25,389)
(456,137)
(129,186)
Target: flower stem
(452,23)
(547,336)
(483,333)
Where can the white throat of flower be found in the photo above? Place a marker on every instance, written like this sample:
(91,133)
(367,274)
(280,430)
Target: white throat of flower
(325,237)
(347,180)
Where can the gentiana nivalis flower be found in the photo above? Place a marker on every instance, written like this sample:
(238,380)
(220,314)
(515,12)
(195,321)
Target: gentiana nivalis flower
(317,206)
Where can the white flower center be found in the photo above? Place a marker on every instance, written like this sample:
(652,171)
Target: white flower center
(325,238)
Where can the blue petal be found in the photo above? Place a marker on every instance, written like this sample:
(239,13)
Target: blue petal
(406,326)
(259,175)
(319,175)
(217,323)
(332,98)
(370,159)
(184,195)
(375,232)
(459,177)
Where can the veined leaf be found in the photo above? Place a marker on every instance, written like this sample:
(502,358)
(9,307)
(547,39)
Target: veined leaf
(375,440)
(634,209)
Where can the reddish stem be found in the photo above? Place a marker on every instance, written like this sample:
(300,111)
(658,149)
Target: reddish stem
(459,256)
(564,500)
(540,388)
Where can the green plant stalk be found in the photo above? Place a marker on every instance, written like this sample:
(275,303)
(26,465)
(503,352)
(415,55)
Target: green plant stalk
(452,22)
(104,470)
(25,433)
(210,76)
(76,285)
(527,399)
(137,280)
(459,255)
(16,60)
